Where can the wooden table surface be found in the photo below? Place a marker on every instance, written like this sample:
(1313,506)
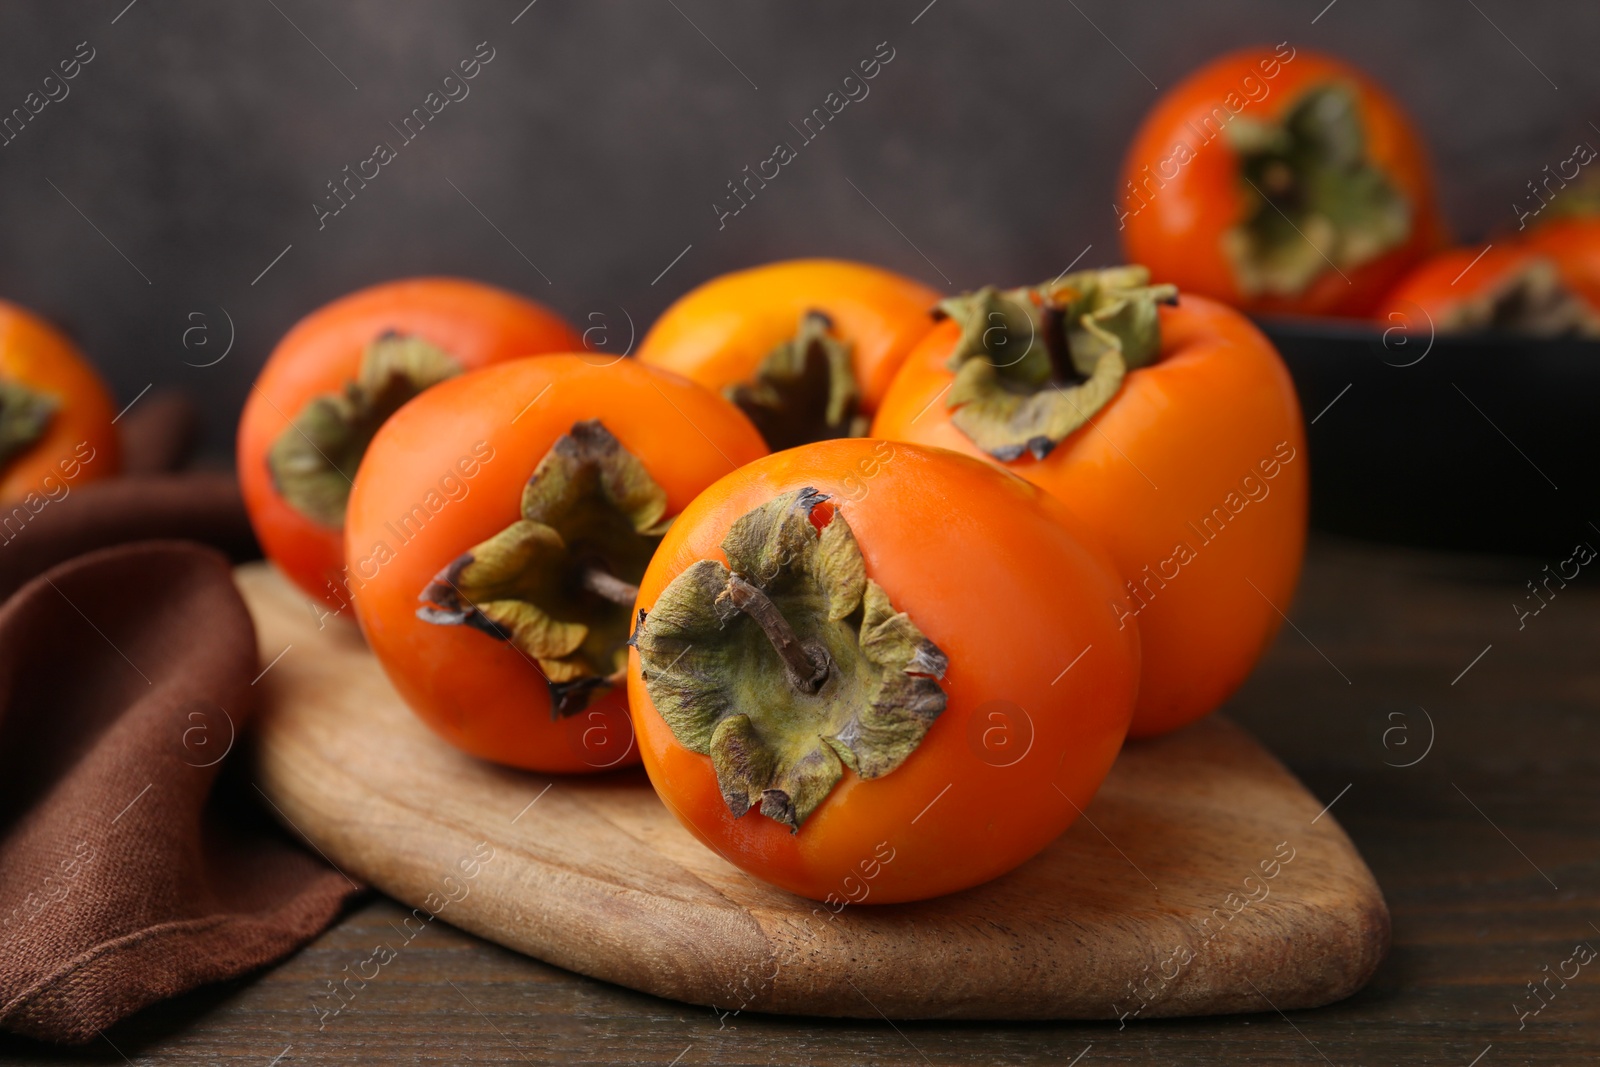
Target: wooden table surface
(1487,846)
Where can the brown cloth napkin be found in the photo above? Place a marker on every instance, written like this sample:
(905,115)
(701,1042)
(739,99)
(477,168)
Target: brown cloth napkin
(129,870)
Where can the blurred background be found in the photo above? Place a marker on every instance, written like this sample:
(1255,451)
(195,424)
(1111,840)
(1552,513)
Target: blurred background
(164,206)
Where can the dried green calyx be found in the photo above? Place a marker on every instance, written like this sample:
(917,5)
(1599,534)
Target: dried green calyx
(559,583)
(314,459)
(24,415)
(1034,364)
(1317,202)
(789,664)
(805,389)
(1532,301)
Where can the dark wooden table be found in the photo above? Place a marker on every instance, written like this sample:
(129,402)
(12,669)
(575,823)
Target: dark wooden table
(1460,750)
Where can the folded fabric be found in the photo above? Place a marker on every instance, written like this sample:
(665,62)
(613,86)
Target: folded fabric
(124,682)
(159,434)
(203,507)
(135,860)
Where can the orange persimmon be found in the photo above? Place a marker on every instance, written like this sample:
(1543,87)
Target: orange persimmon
(494,532)
(1279,181)
(870,672)
(55,413)
(337,375)
(805,347)
(1574,244)
(1545,286)
(1169,427)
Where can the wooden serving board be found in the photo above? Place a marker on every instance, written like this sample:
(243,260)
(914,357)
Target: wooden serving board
(1203,879)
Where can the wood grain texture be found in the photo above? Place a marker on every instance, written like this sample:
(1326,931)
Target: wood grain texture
(1474,921)
(1155,904)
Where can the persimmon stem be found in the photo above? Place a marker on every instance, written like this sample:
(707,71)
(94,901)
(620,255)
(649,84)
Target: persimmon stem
(1052,329)
(807,668)
(604,583)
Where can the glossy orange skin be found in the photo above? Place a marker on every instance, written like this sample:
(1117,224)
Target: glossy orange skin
(1172,444)
(479,693)
(1442,283)
(964,550)
(79,437)
(476,323)
(719,333)
(1574,244)
(1178,231)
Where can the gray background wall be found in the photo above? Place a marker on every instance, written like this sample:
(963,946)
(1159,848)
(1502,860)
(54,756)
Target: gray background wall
(601,133)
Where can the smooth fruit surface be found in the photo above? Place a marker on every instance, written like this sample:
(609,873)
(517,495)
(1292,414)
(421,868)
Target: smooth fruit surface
(1193,477)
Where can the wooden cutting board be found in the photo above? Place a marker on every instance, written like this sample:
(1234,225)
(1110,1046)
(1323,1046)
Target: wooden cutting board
(1203,879)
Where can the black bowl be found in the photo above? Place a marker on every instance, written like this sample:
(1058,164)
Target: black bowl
(1481,442)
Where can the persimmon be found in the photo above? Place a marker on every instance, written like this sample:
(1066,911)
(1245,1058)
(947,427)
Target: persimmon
(805,347)
(873,672)
(497,528)
(333,380)
(1169,427)
(1543,287)
(55,414)
(1574,245)
(1279,180)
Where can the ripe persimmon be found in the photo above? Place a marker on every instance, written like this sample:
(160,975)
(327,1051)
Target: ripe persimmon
(874,672)
(1169,427)
(1545,286)
(1279,181)
(336,376)
(55,413)
(495,532)
(1574,244)
(805,347)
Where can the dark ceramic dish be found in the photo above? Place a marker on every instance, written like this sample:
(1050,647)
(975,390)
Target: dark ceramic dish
(1473,442)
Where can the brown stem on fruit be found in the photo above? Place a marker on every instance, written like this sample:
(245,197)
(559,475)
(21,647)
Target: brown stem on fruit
(807,668)
(605,584)
(558,582)
(805,389)
(1052,332)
